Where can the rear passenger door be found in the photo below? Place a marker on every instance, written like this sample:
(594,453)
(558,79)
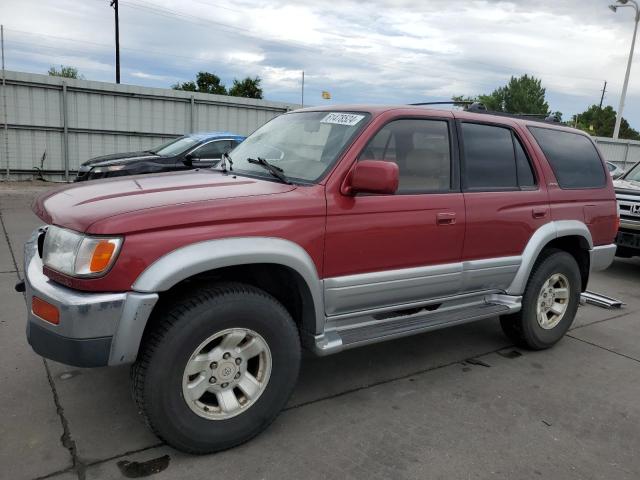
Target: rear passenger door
(383,250)
(504,202)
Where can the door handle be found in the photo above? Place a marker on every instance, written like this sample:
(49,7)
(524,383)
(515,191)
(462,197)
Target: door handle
(446,218)
(540,212)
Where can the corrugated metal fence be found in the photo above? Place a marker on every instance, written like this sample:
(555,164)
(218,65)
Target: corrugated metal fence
(624,153)
(68,121)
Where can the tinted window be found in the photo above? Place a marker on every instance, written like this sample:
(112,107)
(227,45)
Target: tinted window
(420,148)
(213,149)
(489,159)
(525,173)
(573,158)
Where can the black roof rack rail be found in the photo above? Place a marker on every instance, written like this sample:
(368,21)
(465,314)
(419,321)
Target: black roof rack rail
(478,107)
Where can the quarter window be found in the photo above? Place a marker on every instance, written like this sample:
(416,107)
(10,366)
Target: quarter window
(572,156)
(494,159)
(421,150)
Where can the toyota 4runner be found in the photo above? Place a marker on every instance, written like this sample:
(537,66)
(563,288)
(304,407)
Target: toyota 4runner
(330,228)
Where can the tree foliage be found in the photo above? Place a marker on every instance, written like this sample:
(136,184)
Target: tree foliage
(523,94)
(601,122)
(248,88)
(210,83)
(65,71)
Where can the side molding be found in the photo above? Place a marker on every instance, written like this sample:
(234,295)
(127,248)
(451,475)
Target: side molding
(545,234)
(200,257)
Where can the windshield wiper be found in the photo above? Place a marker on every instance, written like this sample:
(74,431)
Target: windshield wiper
(273,170)
(223,164)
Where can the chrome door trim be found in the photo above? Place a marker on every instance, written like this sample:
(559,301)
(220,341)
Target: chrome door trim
(379,290)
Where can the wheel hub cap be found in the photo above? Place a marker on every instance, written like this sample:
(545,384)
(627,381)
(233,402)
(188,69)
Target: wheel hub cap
(226,373)
(553,301)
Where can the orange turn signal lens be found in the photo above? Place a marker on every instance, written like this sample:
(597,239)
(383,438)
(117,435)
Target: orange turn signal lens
(102,255)
(46,311)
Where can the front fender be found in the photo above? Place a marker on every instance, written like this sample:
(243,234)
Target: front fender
(201,257)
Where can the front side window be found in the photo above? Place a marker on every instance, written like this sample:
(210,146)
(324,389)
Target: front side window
(175,147)
(303,144)
(213,149)
(572,156)
(421,150)
(494,159)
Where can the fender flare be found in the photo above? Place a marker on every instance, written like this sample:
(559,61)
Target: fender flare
(541,238)
(201,257)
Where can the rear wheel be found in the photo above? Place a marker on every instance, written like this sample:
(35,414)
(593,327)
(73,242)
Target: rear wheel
(217,368)
(549,304)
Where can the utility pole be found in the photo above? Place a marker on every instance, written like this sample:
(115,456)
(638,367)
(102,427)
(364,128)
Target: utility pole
(604,89)
(302,99)
(4,103)
(114,4)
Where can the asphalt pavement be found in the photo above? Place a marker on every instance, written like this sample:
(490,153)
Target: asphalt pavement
(459,403)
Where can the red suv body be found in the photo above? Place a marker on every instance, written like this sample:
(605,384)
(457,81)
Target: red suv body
(378,222)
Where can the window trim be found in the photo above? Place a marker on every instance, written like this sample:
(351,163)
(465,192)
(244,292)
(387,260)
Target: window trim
(593,144)
(514,137)
(454,158)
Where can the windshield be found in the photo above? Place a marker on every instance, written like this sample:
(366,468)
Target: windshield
(634,174)
(175,147)
(303,144)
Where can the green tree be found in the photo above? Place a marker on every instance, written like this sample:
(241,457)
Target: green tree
(65,71)
(248,88)
(205,83)
(523,94)
(601,122)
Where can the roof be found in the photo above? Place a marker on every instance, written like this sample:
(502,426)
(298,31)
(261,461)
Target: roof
(214,135)
(487,117)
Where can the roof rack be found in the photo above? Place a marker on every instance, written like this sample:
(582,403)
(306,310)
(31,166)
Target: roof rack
(478,107)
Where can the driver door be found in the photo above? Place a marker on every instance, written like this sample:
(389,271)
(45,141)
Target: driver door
(384,250)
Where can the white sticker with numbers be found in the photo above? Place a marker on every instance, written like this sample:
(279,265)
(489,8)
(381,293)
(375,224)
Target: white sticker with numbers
(349,119)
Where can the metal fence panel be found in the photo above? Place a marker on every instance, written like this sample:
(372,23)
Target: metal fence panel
(624,153)
(71,121)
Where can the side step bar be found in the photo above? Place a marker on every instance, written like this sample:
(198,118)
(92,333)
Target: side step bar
(600,300)
(369,330)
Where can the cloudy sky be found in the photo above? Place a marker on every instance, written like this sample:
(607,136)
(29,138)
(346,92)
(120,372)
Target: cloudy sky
(376,51)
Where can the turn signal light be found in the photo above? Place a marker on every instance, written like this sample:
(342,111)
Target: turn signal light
(46,311)
(102,255)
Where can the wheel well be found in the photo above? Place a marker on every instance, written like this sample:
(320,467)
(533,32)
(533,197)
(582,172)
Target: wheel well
(283,283)
(579,248)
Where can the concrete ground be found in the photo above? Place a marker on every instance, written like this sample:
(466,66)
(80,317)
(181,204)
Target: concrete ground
(456,403)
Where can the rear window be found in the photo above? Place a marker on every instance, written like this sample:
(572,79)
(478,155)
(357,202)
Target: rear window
(573,158)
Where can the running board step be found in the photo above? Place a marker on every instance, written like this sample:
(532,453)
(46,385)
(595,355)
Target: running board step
(372,331)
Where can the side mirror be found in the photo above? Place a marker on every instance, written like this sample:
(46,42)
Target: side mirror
(372,176)
(189,158)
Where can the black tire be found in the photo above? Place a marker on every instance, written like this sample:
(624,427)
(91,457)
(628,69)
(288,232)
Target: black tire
(523,327)
(158,372)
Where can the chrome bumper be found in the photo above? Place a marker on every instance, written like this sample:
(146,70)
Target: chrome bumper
(601,256)
(95,329)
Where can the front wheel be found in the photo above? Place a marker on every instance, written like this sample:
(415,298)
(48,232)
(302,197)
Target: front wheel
(549,303)
(217,368)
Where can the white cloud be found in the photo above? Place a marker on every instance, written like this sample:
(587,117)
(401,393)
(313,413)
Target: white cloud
(363,51)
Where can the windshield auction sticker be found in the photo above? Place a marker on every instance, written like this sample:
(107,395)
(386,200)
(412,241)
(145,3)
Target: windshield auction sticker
(349,119)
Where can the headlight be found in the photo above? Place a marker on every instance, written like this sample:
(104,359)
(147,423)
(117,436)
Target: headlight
(108,168)
(79,255)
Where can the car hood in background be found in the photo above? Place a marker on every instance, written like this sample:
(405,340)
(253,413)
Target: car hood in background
(621,185)
(119,159)
(81,205)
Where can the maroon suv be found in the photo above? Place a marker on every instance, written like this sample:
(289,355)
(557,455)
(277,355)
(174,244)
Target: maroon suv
(330,228)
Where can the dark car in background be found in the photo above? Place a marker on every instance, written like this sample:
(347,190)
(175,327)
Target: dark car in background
(196,150)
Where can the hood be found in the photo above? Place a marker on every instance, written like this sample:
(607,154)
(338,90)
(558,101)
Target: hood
(119,158)
(80,205)
(627,186)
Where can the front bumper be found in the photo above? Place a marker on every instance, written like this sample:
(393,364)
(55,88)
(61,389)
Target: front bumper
(95,329)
